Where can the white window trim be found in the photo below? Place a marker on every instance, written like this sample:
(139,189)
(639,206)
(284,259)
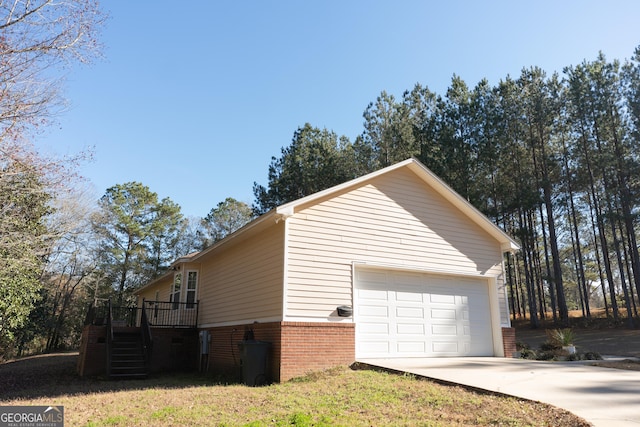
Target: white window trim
(195,296)
(173,292)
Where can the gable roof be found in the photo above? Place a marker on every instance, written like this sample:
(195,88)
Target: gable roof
(507,244)
(284,211)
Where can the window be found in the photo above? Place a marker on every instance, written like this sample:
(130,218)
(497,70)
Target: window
(175,291)
(192,286)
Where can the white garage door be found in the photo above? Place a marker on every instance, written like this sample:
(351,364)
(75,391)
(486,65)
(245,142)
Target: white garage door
(403,314)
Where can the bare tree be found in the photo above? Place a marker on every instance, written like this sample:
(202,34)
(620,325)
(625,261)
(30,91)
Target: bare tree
(70,268)
(35,38)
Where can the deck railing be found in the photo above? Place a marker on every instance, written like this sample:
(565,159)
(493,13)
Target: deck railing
(159,314)
(147,338)
(171,314)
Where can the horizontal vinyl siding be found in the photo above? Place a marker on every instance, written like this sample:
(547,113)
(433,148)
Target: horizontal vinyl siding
(394,220)
(244,283)
(163,287)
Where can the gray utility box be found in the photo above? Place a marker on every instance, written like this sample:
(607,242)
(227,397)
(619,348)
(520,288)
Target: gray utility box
(253,358)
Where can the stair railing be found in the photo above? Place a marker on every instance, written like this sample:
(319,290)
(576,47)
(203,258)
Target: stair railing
(91,314)
(145,330)
(109,335)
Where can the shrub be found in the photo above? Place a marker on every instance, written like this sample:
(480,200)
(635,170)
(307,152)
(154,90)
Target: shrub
(560,337)
(527,353)
(573,357)
(546,355)
(592,355)
(548,346)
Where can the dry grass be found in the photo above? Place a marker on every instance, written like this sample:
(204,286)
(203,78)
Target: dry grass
(627,364)
(341,396)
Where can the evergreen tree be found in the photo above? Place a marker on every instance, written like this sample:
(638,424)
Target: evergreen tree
(316,159)
(227,217)
(135,232)
(24,245)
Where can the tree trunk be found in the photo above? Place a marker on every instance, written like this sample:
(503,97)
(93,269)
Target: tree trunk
(527,265)
(552,289)
(604,245)
(512,293)
(596,250)
(573,220)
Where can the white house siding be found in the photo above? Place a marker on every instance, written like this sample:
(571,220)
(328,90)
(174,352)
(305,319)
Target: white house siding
(243,283)
(395,220)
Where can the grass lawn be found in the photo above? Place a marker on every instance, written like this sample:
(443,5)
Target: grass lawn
(339,397)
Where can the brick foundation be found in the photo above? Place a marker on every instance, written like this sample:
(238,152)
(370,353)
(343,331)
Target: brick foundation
(509,341)
(224,354)
(310,347)
(297,348)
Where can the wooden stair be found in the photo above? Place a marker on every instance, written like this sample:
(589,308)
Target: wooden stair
(127,354)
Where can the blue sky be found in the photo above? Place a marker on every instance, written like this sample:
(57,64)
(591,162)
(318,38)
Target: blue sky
(194,98)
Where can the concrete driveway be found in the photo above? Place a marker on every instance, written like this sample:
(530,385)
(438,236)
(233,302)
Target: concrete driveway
(602,396)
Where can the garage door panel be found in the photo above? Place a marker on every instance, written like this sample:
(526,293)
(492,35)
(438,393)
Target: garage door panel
(404,278)
(374,311)
(409,313)
(442,299)
(409,297)
(425,315)
(377,347)
(439,313)
(451,330)
(411,347)
(447,348)
(374,294)
(370,328)
(410,329)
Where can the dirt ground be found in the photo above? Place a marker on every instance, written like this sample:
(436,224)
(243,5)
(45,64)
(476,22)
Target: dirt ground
(604,341)
(19,378)
(608,341)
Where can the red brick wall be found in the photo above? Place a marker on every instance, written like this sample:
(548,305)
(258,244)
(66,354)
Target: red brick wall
(297,348)
(308,347)
(509,341)
(224,354)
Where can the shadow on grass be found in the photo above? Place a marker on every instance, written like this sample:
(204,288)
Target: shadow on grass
(52,375)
